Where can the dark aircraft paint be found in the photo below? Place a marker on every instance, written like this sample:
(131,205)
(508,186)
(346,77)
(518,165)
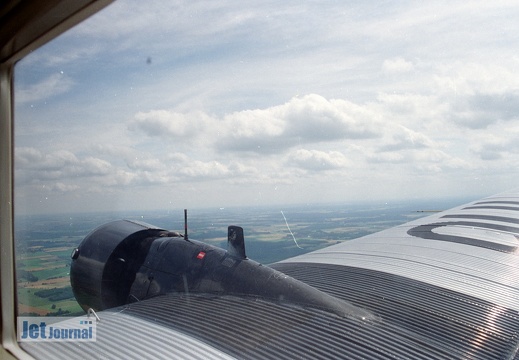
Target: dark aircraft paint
(426,232)
(124,261)
(483,217)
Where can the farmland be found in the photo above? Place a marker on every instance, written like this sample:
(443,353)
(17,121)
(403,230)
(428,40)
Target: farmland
(44,242)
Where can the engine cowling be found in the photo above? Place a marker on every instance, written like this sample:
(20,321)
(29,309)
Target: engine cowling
(126,261)
(105,264)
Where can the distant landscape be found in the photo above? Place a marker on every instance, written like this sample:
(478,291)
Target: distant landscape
(44,242)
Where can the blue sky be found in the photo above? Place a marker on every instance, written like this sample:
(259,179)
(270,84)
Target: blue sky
(165,104)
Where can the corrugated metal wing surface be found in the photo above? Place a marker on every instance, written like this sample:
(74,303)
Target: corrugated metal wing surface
(441,287)
(472,249)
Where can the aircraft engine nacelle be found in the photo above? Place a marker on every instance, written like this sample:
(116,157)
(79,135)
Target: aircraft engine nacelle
(126,261)
(104,265)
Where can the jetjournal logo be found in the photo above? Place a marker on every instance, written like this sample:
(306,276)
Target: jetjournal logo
(56,329)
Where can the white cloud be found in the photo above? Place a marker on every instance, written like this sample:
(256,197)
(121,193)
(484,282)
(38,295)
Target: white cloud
(91,167)
(397,65)
(439,161)
(25,156)
(410,107)
(404,138)
(52,161)
(314,118)
(170,124)
(245,98)
(315,160)
(48,87)
(308,119)
(493,147)
(205,170)
(62,188)
(480,110)
(33,165)
(387,157)
(144,163)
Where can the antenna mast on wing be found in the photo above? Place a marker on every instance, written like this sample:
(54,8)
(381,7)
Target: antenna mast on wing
(185,224)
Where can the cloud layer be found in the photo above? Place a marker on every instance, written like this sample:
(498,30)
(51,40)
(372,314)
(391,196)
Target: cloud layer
(269,103)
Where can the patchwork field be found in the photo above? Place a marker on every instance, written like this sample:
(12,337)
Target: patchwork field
(44,243)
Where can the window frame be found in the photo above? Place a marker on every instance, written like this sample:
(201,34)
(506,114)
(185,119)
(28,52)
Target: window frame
(24,26)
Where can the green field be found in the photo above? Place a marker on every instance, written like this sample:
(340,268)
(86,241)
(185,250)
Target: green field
(43,247)
(44,243)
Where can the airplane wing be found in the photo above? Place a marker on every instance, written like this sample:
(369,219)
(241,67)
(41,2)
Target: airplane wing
(444,286)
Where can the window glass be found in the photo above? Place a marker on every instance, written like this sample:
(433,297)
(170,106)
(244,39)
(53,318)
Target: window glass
(306,123)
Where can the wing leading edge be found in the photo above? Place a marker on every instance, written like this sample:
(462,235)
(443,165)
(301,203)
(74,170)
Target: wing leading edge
(444,286)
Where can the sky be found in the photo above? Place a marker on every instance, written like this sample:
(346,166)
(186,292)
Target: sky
(174,104)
